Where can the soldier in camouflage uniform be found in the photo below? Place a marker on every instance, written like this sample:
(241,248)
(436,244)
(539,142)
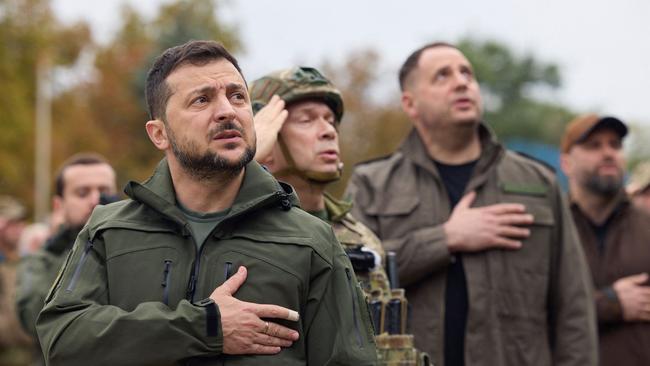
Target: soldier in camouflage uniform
(298,112)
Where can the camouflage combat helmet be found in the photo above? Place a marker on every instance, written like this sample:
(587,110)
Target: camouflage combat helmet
(294,85)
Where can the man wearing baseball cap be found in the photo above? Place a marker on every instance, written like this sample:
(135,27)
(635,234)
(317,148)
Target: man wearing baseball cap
(614,235)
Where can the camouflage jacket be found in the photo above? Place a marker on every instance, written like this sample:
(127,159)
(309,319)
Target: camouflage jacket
(393,349)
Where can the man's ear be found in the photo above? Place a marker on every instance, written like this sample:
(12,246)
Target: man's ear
(408,104)
(57,203)
(565,163)
(157,131)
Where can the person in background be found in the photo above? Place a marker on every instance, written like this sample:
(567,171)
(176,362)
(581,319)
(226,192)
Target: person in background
(298,113)
(486,246)
(16,347)
(80,182)
(615,235)
(32,238)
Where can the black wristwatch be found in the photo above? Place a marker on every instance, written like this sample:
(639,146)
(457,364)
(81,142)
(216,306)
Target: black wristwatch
(212,317)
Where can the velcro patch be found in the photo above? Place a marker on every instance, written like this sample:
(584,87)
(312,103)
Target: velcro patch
(538,190)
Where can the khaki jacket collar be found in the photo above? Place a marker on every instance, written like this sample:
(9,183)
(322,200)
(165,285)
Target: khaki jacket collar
(491,152)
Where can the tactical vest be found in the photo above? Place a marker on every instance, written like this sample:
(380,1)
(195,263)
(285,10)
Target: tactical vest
(388,307)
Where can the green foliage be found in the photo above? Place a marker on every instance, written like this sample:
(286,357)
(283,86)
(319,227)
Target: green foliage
(369,129)
(509,83)
(115,99)
(106,114)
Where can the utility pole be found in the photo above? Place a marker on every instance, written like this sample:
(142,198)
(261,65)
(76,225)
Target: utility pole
(42,157)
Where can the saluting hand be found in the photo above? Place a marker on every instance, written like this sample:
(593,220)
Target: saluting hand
(268,122)
(496,226)
(244,332)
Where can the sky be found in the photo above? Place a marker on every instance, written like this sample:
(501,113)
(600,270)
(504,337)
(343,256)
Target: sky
(601,46)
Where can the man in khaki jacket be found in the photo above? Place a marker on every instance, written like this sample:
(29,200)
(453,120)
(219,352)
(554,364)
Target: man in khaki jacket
(486,247)
(614,234)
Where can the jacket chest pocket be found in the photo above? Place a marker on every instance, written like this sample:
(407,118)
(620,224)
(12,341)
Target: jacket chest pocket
(534,254)
(520,277)
(144,273)
(267,281)
(398,216)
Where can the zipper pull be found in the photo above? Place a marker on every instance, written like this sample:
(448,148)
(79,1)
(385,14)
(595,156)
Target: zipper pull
(168,263)
(227,271)
(191,285)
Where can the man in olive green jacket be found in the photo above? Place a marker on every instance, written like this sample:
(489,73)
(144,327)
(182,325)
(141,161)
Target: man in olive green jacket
(80,182)
(486,246)
(208,262)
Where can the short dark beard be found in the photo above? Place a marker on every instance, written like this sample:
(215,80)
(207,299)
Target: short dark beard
(604,186)
(209,165)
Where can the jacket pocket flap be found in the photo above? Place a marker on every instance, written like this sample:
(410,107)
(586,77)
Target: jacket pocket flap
(399,205)
(542,215)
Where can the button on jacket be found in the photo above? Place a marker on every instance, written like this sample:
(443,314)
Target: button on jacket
(132,289)
(530,306)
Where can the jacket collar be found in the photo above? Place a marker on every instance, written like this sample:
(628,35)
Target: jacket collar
(61,241)
(258,186)
(336,209)
(491,151)
(622,204)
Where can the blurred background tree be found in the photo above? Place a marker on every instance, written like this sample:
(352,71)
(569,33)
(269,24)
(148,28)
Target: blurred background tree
(30,38)
(513,88)
(105,111)
(113,103)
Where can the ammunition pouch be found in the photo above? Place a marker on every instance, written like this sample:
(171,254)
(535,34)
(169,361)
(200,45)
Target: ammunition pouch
(399,350)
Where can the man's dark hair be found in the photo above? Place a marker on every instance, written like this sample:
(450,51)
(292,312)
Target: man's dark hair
(196,53)
(411,62)
(88,158)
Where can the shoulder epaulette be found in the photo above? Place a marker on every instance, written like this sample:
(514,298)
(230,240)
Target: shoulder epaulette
(545,164)
(372,160)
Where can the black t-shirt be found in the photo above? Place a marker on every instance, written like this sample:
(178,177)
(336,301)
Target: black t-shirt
(455,178)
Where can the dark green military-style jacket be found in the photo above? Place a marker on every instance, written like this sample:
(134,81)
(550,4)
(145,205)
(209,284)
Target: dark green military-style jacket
(131,291)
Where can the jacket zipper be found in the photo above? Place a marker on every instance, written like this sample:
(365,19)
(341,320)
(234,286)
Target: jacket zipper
(77,271)
(354,307)
(227,271)
(165,282)
(191,286)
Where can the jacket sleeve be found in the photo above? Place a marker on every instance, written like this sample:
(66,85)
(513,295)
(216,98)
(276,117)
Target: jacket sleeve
(419,253)
(608,308)
(337,321)
(571,307)
(32,286)
(78,327)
